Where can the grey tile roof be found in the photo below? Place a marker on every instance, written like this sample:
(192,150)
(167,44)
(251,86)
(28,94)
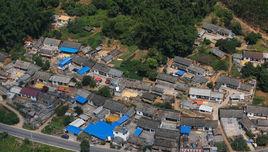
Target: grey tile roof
(231,113)
(83,61)
(196,70)
(3,56)
(148,96)
(171,115)
(167,133)
(135,84)
(199,79)
(167,78)
(115,73)
(245,87)
(45,76)
(217,52)
(101,67)
(60,78)
(253,55)
(199,91)
(166,144)
(261,122)
(114,106)
(182,61)
(199,122)
(51,42)
(258,110)
(217,29)
(182,87)
(246,123)
(146,109)
(82,93)
(148,123)
(70,44)
(228,81)
(22,64)
(97,100)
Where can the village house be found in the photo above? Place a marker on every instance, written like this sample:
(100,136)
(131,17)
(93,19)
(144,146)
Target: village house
(165,78)
(4,59)
(256,111)
(228,82)
(49,47)
(218,53)
(115,107)
(30,93)
(145,110)
(82,61)
(135,84)
(185,104)
(82,96)
(101,69)
(69,47)
(166,140)
(96,100)
(199,123)
(22,65)
(121,132)
(114,73)
(206,94)
(60,80)
(181,63)
(148,97)
(111,56)
(148,124)
(215,29)
(42,76)
(253,56)
(3,92)
(196,70)
(231,113)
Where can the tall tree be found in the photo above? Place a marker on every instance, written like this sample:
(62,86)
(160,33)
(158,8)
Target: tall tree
(85,146)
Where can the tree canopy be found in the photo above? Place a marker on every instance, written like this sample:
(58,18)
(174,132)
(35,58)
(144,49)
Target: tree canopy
(228,45)
(166,25)
(253,11)
(22,18)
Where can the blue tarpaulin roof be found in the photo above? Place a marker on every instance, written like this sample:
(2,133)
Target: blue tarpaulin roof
(68,50)
(65,61)
(83,70)
(184,129)
(138,131)
(120,121)
(180,72)
(100,129)
(73,130)
(81,99)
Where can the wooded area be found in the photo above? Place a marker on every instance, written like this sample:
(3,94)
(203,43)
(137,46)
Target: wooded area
(167,25)
(22,18)
(253,11)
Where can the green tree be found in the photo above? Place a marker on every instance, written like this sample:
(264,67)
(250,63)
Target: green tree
(152,62)
(62,110)
(210,85)
(252,38)
(46,65)
(67,120)
(220,65)
(262,140)
(249,70)
(78,110)
(85,146)
(239,144)
(88,81)
(104,91)
(264,80)
(236,28)
(225,15)
(228,45)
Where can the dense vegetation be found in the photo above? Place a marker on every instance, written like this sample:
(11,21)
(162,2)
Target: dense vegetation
(9,143)
(8,117)
(19,19)
(239,144)
(253,11)
(259,72)
(167,26)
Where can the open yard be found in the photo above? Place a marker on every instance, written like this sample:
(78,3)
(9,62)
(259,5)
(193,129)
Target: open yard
(261,98)
(57,124)
(261,46)
(12,144)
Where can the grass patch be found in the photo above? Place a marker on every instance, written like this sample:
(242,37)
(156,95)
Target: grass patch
(221,146)
(57,124)
(258,101)
(125,56)
(261,46)
(12,144)
(235,72)
(8,117)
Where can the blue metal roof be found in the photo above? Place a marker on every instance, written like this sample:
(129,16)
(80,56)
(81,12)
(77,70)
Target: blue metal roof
(81,99)
(180,72)
(184,129)
(138,131)
(73,130)
(83,70)
(100,129)
(65,61)
(68,50)
(120,121)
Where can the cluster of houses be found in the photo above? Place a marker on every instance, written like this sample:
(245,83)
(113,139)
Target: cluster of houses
(136,121)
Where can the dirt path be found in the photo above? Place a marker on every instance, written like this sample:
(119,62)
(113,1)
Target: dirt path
(247,27)
(21,119)
(44,125)
(230,64)
(229,147)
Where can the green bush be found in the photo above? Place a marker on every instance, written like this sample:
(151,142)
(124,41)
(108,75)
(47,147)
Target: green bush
(8,117)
